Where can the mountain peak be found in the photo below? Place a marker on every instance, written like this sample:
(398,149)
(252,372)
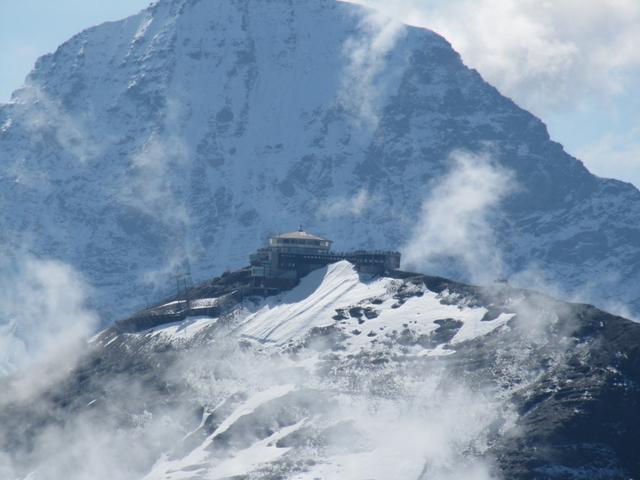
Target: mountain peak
(194,129)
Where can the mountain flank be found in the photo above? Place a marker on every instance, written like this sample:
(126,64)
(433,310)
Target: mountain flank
(497,381)
(192,130)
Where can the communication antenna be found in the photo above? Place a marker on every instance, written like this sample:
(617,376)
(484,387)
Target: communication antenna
(184,284)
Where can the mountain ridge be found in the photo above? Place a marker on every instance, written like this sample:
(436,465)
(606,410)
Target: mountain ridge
(342,376)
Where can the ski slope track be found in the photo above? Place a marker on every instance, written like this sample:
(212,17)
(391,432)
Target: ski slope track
(346,376)
(195,128)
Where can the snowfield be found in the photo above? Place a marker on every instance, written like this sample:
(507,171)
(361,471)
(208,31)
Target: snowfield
(316,303)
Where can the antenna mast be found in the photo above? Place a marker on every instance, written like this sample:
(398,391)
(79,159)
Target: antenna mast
(183,285)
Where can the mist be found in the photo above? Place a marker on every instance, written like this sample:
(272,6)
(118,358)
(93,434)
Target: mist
(44,323)
(217,403)
(455,229)
(364,81)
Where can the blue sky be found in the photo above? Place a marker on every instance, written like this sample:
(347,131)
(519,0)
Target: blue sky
(31,28)
(574,64)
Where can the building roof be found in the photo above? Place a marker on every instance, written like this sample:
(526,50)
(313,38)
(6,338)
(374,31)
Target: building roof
(300,234)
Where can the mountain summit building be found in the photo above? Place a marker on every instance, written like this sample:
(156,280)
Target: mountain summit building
(293,255)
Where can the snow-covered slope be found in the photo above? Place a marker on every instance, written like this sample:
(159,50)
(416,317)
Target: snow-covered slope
(345,376)
(195,128)
(368,312)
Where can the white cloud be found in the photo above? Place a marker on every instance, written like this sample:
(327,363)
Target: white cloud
(366,54)
(615,155)
(158,184)
(44,321)
(352,206)
(536,278)
(151,187)
(546,55)
(155,184)
(49,117)
(454,231)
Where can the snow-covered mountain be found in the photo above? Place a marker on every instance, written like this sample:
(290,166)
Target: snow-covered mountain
(195,128)
(344,376)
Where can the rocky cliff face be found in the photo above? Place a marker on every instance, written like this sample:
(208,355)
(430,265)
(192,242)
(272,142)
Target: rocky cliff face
(195,128)
(344,376)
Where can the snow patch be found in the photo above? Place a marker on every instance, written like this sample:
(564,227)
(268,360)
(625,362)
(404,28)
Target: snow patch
(243,461)
(311,304)
(247,460)
(474,327)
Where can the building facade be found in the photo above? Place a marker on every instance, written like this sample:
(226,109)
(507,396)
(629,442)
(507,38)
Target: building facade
(293,255)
